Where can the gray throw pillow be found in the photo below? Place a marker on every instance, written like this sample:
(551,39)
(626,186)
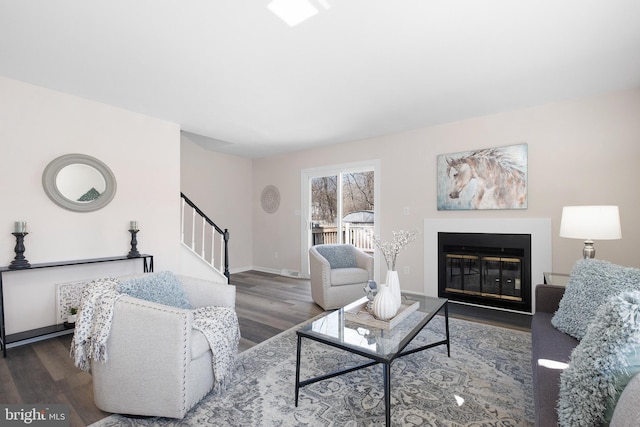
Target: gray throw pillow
(590,283)
(602,364)
(162,288)
(339,256)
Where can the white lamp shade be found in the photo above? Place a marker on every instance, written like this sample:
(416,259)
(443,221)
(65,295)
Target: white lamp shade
(591,222)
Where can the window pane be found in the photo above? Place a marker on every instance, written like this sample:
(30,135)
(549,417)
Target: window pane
(357,207)
(324,209)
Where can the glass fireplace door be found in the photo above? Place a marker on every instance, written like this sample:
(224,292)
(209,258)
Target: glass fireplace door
(502,278)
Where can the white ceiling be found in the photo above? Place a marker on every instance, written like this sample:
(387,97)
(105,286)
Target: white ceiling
(241,81)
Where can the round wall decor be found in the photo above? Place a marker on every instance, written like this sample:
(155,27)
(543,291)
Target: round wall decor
(270,199)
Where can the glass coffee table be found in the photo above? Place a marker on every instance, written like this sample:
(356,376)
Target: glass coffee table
(381,345)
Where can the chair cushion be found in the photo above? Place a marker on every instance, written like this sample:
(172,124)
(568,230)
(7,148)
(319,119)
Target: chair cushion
(199,344)
(339,256)
(589,281)
(348,276)
(162,288)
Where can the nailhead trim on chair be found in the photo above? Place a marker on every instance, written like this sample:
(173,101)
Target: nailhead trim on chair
(326,270)
(184,347)
(184,364)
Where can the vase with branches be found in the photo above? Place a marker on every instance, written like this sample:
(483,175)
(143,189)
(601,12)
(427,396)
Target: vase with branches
(390,251)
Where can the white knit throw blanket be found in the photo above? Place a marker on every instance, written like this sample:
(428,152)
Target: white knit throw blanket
(220,326)
(94,322)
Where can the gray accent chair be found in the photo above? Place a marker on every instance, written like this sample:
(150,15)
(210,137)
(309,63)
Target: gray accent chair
(338,274)
(157,364)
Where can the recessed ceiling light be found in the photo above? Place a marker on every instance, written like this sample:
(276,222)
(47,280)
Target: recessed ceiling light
(292,12)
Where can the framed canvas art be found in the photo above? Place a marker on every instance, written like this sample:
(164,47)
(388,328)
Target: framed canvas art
(491,178)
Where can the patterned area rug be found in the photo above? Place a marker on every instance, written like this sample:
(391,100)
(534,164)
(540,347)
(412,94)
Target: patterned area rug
(485,382)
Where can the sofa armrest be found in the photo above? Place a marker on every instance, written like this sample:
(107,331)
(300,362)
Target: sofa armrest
(548,297)
(203,293)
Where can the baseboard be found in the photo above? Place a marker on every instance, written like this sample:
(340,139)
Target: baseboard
(263,270)
(290,273)
(240,270)
(282,272)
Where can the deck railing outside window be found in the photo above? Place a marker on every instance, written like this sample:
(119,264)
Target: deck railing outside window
(358,235)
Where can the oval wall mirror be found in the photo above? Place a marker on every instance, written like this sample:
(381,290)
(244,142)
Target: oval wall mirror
(79,182)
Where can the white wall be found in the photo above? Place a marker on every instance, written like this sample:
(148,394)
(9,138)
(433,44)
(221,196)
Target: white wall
(38,125)
(584,151)
(220,185)
(580,152)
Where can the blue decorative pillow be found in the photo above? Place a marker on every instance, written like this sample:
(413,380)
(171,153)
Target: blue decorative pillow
(162,288)
(602,364)
(339,256)
(590,283)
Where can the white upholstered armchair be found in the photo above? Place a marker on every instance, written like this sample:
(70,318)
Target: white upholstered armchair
(338,274)
(158,365)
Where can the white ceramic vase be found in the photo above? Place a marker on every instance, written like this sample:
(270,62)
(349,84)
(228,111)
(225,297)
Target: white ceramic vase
(384,305)
(394,286)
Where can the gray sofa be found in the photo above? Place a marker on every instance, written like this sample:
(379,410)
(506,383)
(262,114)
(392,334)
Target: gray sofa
(548,344)
(551,345)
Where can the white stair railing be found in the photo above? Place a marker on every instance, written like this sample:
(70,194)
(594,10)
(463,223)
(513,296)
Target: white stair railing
(204,236)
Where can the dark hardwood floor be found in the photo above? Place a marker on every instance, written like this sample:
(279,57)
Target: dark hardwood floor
(266,305)
(43,372)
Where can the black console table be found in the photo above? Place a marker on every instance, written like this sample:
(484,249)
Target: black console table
(53,330)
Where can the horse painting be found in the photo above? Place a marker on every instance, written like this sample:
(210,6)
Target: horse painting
(493,178)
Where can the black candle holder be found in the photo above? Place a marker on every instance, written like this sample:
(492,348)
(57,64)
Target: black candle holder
(133,253)
(20,261)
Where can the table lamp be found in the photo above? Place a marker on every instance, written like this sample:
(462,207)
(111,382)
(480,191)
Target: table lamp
(590,223)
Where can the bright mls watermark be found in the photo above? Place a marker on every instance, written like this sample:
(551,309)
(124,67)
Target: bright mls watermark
(34,415)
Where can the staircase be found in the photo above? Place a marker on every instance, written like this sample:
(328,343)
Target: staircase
(204,238)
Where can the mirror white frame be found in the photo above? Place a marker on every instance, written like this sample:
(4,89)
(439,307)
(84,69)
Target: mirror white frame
(49,182)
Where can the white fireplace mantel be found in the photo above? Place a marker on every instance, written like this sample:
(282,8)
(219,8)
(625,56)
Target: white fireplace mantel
(538,228)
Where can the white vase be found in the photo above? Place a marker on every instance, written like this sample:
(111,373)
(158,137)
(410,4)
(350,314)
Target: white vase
(394,286)
(384,305)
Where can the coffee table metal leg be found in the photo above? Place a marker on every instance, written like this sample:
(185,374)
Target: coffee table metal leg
(446,322)
(298,369)
(387,392)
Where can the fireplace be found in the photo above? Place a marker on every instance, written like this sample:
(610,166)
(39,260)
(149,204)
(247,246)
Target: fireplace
(490,269)
(538,228)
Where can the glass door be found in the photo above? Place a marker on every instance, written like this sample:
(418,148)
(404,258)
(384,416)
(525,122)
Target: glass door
(338,207)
